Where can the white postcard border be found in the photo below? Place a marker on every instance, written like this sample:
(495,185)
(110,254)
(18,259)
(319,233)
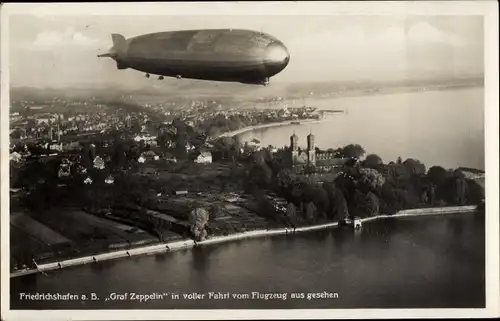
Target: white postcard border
(488,9)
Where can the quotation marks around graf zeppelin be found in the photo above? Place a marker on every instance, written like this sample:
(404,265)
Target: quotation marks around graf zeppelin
(147,297)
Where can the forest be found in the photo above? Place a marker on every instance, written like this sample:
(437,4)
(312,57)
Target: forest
(359,188)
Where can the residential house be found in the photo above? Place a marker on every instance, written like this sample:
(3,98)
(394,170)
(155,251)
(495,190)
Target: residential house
(203,158)
(99,163)
(149,155)
(170,158)
(109,180)
(15,157)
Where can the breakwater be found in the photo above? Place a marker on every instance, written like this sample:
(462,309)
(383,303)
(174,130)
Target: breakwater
(188,243)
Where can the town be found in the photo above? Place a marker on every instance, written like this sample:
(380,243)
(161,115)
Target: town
(89,176)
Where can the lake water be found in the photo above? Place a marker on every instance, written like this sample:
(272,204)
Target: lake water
(426,262)
(443,128)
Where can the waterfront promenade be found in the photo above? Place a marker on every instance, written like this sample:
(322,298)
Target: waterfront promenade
(189,243)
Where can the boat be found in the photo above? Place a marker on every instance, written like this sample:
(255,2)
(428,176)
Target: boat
(354,223)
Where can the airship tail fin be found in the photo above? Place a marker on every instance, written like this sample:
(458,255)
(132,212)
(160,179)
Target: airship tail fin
(119,46)
(119,42)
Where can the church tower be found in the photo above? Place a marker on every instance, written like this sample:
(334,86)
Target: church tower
(311,150)
(294,148)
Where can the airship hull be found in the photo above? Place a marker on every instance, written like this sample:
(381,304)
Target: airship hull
(222,54)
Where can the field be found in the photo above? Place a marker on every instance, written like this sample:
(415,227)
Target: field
(188,175)
(78,227)
(36,229)
(24,247)
(125,232)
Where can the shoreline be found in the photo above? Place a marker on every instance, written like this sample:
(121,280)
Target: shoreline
(277,124)
(189,243)
(349,94)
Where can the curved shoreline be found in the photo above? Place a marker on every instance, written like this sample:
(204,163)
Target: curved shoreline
(277,124)
(189,243)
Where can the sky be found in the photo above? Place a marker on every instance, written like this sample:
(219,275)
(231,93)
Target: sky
(60,50)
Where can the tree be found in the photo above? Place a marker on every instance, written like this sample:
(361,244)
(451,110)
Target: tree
(373,204)
(284,178)
(321,201)
(198,218)
(459,188)
(92,151)
(436,175)
(431,193)
(338,205)
(371,177)
(215,210)
(398,175)
(118,158)
(389,200)
(365,204)
(414,166)
(259,157)
(345,183)
(14,175)
(425,197)
(372,161)
(264,206)
(311,212)
(353,151)
(297,194)
(475,192)
(261,175)
(291,213)
(180,145)
(226,146)
(407,199)
(159,225)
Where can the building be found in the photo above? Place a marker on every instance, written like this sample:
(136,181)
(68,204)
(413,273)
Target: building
(320,161)
(149,155)
(109,180)
(203,158)
(99,163)
(55,146)
(15,157)
(64,169)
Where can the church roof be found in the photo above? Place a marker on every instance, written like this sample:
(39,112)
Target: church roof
(331,162)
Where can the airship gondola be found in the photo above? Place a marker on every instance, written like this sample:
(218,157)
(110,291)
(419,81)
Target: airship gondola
(233,55)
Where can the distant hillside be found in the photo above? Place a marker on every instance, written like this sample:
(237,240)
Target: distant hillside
(197,89)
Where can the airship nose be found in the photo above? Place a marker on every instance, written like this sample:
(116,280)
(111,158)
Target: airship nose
(276,58)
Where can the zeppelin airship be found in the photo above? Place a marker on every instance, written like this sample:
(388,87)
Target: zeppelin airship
(233,55)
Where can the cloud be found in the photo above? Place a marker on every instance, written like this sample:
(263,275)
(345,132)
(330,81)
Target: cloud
(68,38)
(357,40)
(359,51)
(423,32)
(420,34)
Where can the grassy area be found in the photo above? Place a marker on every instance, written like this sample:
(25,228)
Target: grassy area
(37,230)
(189,175)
